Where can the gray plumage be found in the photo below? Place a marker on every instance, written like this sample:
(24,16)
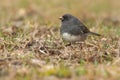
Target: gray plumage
(77,31)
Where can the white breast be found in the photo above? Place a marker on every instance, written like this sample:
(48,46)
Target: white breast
(72,38)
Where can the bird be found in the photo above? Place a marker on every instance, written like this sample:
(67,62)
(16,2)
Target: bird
(73,30)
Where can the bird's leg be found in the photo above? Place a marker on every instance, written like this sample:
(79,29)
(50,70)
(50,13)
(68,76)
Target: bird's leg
(81,44)
(66,43)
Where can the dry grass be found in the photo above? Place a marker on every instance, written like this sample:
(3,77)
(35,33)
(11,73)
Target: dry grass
(31,47)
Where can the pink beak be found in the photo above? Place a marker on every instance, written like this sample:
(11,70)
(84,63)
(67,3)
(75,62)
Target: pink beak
(61,18)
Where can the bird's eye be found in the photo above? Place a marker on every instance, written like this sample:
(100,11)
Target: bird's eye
(65,17)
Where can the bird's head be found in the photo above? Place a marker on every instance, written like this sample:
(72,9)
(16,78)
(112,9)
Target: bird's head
(68,18)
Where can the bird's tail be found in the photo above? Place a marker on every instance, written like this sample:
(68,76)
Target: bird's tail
(93,33)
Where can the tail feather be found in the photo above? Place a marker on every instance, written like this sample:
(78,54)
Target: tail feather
(93,33)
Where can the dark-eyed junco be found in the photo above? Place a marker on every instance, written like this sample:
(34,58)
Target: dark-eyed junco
(73,30)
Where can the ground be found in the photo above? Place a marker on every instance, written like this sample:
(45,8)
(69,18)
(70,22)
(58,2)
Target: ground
(31,47)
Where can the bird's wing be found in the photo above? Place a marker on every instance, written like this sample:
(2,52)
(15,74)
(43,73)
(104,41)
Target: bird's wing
(78,30)
(79,24)
(84,28)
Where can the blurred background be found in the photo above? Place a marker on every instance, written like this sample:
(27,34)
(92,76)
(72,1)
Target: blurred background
(50,10)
